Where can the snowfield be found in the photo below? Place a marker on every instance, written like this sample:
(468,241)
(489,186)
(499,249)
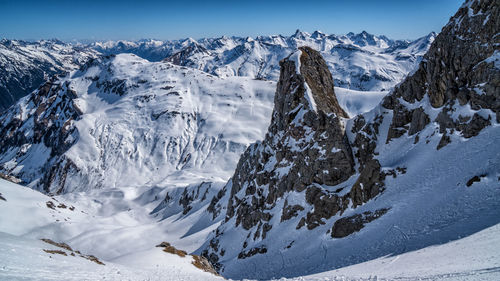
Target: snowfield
(125,241)
(476,257)
(121,239)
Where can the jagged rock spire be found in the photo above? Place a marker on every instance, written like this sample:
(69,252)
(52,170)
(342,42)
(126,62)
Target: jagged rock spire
(304,149)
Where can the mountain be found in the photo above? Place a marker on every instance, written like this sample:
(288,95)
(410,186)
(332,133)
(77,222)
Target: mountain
(149,49)
(124,121)
(358,61)
(26,65)
(323,177)
(322,191)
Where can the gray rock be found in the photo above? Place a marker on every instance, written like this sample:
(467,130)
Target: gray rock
(349,225)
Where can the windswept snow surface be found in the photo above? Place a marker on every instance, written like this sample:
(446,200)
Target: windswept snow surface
(358,102)
(115,230)
(475,257)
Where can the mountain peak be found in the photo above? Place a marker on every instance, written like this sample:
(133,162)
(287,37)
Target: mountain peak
(318,34)
(300,34)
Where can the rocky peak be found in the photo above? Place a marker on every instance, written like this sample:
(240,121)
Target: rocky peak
(182,57)
(299,34)
(290,176)
(319,79)
(318,35)
(304,80)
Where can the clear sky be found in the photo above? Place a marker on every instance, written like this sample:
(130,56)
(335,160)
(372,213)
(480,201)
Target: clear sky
(132,20)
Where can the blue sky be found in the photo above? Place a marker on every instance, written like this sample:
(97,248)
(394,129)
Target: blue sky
(103,20)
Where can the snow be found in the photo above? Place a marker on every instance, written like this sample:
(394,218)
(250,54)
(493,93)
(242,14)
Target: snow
(110,230)
(25,259)
(309,97)
(179,130)
(173,124)
(357,102)
(357,61)
(495,59)
(476,257)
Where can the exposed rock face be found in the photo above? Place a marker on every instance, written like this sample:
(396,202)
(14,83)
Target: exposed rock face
(348,225)
(461,68)
(305,149)
(184,56)
(305,144)
(44,123)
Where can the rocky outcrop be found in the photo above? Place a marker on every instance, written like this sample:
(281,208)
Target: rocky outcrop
(348,225)
(42,125)
(461,68)
(305,144)
(306,151)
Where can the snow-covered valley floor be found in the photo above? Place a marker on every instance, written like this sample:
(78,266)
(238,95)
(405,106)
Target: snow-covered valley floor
(118,230)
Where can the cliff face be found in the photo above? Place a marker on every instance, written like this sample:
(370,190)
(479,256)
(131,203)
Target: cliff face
(37,132)
(305,145)
(313,180)
(460,69)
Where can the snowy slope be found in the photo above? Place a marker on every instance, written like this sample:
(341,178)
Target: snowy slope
(26,65)
(124,121)
(475,257)
(25,218)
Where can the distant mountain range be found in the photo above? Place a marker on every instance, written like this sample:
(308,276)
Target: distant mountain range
(358,61)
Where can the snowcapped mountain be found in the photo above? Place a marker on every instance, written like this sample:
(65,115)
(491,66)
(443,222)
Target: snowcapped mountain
(134,153)
(26,65)
(152,50)
(358,61)
(124,121)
